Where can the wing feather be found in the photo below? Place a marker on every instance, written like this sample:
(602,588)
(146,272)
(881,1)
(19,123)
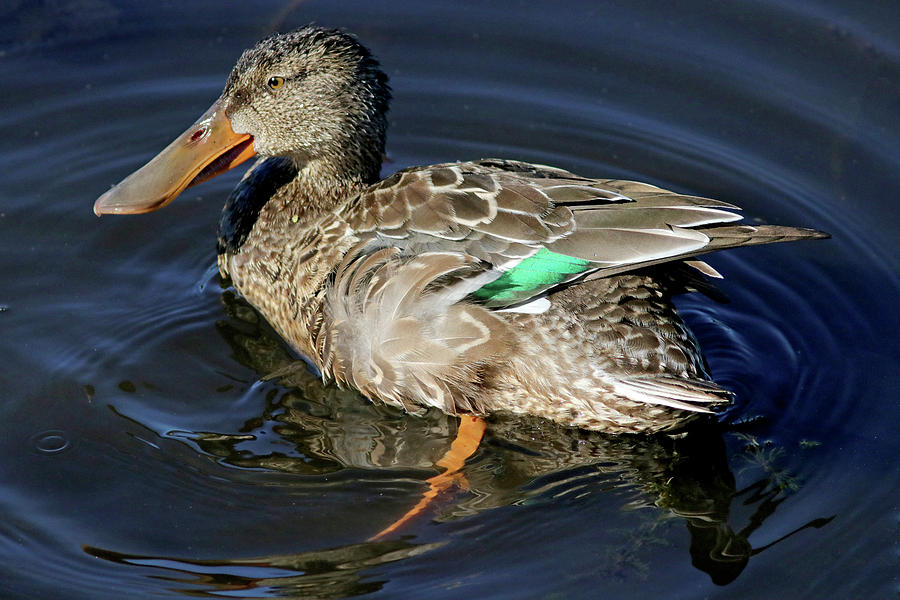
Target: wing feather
(504,212)
(409,342)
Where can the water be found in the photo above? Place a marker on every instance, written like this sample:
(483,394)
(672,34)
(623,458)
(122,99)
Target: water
(144,456)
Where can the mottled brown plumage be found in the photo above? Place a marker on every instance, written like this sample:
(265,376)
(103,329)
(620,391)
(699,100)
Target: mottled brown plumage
(473,287)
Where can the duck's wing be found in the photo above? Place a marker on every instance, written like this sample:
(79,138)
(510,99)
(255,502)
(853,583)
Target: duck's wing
(537,227)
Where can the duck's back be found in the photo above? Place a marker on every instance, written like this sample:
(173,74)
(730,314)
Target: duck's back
(500,285)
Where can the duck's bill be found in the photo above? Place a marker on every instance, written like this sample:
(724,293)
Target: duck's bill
(209,147)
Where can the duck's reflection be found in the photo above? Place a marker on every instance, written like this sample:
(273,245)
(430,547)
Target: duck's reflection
(685,477)
(333,573)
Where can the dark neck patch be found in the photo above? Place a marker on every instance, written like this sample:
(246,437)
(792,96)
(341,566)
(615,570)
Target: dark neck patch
(247,200)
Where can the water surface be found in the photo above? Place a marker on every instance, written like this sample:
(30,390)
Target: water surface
(146,455)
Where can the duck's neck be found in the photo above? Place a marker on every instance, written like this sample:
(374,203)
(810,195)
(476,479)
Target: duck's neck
(321,186)
(280,256)
(281,194)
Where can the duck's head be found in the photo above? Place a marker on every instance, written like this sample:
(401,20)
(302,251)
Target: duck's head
(315,95)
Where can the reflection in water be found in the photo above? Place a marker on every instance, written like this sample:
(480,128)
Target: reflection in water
(333,573)
(522,459)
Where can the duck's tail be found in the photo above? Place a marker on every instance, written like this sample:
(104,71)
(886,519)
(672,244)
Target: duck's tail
(728,236)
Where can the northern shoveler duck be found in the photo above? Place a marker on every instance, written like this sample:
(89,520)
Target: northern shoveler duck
(473,287)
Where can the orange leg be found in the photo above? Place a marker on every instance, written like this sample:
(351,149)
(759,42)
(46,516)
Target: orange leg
(468,436)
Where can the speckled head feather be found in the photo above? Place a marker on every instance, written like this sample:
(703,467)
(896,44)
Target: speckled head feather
(323,95)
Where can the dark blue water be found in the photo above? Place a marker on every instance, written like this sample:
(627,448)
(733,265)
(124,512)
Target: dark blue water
(145,455)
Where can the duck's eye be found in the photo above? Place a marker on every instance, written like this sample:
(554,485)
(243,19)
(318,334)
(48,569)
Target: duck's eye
(276,82)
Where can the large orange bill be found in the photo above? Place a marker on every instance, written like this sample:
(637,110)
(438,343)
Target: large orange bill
(209,147)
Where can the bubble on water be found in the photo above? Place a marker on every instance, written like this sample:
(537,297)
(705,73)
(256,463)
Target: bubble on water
(52,441)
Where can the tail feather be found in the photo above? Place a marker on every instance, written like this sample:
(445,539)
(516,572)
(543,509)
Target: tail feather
(723,237)
(734,236)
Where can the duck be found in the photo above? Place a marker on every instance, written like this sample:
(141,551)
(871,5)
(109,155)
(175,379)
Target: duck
(479,287)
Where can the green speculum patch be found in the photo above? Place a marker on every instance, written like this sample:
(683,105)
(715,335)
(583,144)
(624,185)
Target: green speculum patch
(534,274)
